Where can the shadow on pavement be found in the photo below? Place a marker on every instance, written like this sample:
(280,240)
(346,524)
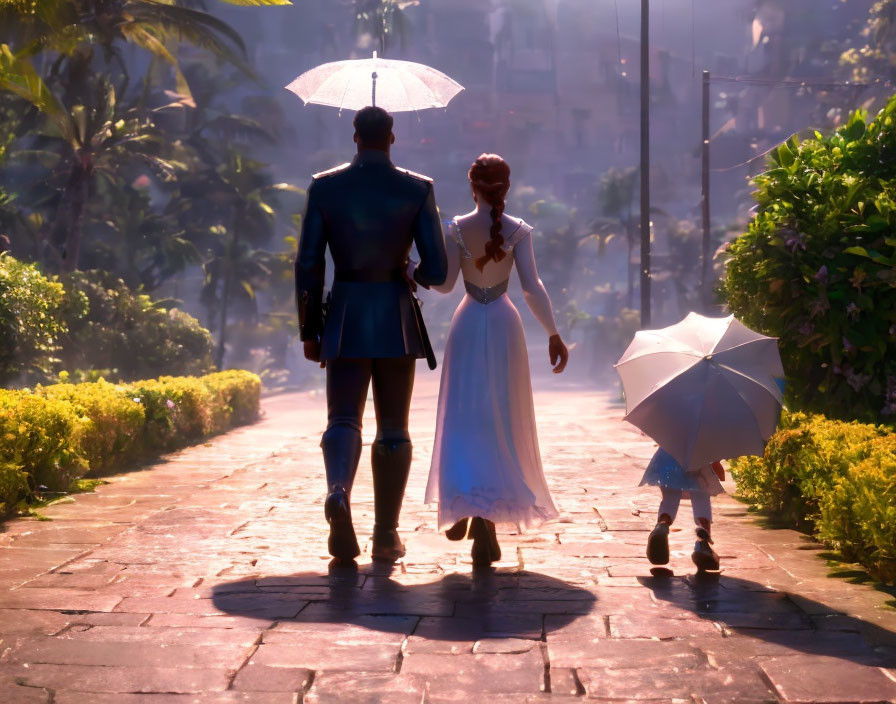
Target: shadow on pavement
(774,621)
(490,602)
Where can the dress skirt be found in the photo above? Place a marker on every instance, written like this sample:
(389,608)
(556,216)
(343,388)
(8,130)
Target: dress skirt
(485,459)
(664,471)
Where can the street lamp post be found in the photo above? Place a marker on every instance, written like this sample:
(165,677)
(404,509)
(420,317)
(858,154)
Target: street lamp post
(645,163)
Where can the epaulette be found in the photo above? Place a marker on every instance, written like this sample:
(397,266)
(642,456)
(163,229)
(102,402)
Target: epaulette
(414,174)
(330,172)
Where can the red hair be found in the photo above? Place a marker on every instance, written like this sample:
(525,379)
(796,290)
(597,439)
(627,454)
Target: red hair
(490,177)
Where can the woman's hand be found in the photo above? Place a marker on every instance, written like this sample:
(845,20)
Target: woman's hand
(557,350)
(410,266)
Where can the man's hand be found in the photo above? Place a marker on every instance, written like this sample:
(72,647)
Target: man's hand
(557,350)
(312,352)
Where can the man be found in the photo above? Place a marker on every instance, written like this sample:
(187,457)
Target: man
(368,213)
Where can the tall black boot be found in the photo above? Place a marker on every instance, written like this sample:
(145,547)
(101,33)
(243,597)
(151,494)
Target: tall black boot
(342,450)
(391,463)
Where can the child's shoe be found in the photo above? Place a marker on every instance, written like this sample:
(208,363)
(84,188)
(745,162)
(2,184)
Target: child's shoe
(658,544)
(704,556)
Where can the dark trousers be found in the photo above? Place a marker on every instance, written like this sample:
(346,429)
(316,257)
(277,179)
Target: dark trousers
(393,382)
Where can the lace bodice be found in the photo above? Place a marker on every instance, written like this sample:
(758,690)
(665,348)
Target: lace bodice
(470,240)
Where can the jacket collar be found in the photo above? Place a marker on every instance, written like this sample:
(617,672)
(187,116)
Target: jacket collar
(371,156)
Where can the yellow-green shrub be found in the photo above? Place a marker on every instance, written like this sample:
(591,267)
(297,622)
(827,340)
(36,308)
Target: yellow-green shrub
(13,485)
(116,421)
(238,396)
(858,515)
(840,476)
(178,409)
(56,434)
(42,438)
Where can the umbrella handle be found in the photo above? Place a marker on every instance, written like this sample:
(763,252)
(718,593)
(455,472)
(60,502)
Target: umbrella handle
(373,77)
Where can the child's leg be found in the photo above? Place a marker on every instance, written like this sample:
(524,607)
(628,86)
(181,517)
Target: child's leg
(703,556)
(668,505)
(702,509)
(658,540)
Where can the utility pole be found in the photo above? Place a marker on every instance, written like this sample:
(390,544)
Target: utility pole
(645,163)
(706,263)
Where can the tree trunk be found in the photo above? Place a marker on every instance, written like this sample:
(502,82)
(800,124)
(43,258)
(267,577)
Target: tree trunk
(70,214)
(229,262)
(225,302)
(629,272)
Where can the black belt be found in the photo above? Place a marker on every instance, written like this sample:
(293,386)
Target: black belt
(360,276)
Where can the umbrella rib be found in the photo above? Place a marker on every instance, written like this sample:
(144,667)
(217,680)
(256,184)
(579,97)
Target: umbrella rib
(646,353)
(743,344)
(747,404)
(657,386)
(748,378)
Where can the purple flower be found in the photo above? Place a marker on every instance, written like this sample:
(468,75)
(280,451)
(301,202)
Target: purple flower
(170,403)
(806,328)
(795,241)
(822,275)
(847,345)
(852,310)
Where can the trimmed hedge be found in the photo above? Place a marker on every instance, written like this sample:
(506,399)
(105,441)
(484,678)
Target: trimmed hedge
(840,476)
(53,435)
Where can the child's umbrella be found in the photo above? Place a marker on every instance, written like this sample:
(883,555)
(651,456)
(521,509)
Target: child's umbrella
(393,85)
(704,388)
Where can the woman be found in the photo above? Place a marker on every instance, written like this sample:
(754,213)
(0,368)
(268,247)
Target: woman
(486,467)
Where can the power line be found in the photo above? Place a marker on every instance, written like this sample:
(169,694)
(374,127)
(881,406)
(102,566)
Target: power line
(802,82)
(752,159)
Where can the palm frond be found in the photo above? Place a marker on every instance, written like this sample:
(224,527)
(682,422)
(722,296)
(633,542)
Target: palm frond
(18,76)
(192,26)
(257,3)
(237,127)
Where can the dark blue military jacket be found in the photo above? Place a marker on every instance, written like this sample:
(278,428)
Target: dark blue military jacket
(368,213)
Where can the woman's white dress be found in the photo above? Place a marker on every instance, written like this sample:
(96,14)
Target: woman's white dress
(485,459)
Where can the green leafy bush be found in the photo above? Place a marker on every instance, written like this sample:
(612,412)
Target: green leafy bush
(91,325)
(56,434)
(129,334)
(817,267)
(30,324)
(839,476)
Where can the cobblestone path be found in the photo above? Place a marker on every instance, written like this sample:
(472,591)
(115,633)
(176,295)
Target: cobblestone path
(205,578)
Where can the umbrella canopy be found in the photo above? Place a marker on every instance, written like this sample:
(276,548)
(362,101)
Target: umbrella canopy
(705,388)
(395,86)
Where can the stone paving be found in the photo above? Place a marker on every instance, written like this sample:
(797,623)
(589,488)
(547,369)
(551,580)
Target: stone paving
(205,578)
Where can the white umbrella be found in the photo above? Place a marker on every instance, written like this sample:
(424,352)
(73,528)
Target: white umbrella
(395,86)
(705,388)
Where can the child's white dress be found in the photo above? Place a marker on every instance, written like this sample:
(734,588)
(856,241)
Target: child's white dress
(485,459)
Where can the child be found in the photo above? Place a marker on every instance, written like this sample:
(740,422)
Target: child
(675,482)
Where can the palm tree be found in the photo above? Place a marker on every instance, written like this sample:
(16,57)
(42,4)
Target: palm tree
(236,266)
(617,201)
(94,137)
(72,39)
